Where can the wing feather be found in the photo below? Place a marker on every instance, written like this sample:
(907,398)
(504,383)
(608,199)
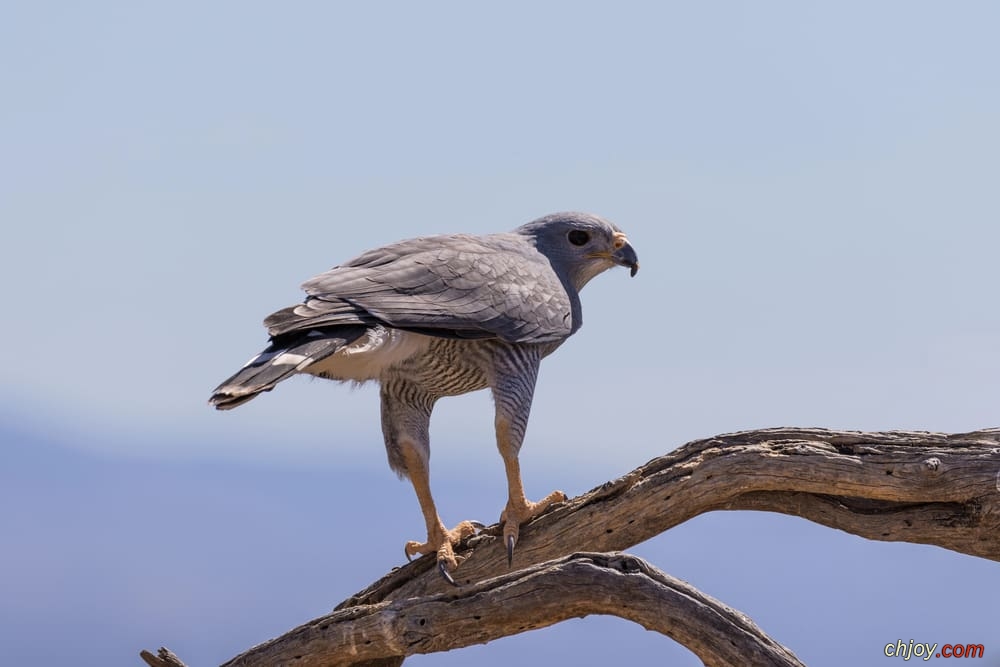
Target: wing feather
(459,286)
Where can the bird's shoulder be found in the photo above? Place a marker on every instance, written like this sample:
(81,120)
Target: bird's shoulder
(428,263)
(460,285)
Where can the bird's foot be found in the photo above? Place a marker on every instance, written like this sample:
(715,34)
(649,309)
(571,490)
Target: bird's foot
(522,511)
(443,543)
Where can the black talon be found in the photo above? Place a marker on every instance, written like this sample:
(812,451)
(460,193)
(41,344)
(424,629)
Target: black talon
(510,550)
(445,574)
(409,558)
(478,525)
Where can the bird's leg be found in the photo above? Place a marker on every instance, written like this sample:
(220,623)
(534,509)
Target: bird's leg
(513,388)
(439,539)
(406,413)
(519,509)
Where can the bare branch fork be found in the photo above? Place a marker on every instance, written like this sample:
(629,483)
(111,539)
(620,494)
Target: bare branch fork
(928,488)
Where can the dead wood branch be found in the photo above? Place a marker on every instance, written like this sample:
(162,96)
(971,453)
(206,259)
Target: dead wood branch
(535,597)
(163,658)
(920,487)
(926,488)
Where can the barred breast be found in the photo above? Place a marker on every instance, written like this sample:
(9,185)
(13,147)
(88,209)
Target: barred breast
(446,367)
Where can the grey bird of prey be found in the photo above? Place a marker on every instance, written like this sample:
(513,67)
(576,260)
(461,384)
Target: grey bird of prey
(441,316)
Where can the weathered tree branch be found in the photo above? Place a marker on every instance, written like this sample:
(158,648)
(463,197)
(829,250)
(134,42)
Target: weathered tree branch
(163,658)
(928,488)
(535,597)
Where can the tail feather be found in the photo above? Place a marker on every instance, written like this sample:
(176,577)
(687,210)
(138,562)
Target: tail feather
(283,358)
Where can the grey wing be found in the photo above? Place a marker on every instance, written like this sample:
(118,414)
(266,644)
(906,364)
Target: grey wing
(455,286)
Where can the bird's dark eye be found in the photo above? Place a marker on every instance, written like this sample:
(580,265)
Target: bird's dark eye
(578,237)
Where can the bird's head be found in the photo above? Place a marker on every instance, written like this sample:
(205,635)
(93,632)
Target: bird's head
(580,245)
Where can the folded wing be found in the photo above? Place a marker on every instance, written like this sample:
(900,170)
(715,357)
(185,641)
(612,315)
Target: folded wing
(455,286)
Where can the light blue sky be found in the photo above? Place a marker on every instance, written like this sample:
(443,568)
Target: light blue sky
(811,190)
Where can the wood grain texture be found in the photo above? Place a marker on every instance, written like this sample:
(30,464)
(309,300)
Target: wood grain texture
(534,597)
(928,488)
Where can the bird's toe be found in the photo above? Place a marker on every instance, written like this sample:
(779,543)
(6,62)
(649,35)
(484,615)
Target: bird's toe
(445,574)
(511,530)
(442,543)
(447,562)
(414,548)
(521,511)
(464,530)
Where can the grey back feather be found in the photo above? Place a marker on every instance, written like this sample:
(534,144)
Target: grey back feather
(457,286)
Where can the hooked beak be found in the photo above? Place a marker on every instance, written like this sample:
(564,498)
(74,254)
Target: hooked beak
(624,254)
